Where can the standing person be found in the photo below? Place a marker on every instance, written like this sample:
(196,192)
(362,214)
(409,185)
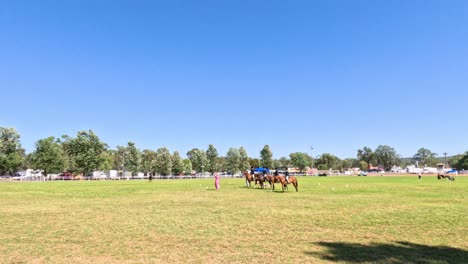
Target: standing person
(217,181)
(150,177)
(419,176)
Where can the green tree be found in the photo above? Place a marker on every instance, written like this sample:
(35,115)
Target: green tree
(84,152)
(254,162)
(163,161)
(148,161)
(328,161)
(425,157)
(133,158)
(301,160)
(222,163)
(363,165)
(107,160)
(345,164)
(120,157)
(284,162)
(387,157)
(266,157)
(212,155)
(233,160)
(244,164)
(177,164)
(199,159)
(48,156)
(187,167)
(366,154)
(128,158)
(461,162)
(27,161)
(11,153)
(350,163)
(322,167)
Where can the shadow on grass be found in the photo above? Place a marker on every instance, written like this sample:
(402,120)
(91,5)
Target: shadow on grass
(268,189)
(397,252)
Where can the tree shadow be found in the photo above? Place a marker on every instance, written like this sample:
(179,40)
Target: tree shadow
(394,253)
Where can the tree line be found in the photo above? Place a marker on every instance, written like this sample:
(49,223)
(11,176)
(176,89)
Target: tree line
(86,153)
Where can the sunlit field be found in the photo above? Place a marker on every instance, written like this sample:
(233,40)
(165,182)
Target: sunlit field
(330,219)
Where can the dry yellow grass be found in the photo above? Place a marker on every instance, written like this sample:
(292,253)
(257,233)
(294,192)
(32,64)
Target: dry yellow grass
(332,219)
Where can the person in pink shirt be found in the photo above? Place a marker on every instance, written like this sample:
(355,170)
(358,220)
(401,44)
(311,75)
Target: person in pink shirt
(216,181)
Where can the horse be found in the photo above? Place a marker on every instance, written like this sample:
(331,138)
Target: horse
(284,184)
(445,176)
(248,178)
(259,178)
(281,179)
(271,180)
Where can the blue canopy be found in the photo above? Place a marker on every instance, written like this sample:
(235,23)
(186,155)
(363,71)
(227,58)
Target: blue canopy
(261,170)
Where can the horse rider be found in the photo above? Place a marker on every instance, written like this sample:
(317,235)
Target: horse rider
(276,172)
(286,176)
(252,171)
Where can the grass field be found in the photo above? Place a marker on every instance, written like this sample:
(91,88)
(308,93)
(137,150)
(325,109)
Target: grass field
(330,219)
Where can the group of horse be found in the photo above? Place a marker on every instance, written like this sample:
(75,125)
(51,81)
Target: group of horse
(445,176)
(271,179)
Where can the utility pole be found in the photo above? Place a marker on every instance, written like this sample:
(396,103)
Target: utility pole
(445,161)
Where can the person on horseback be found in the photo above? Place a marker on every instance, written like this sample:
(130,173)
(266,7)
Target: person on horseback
(252,173)
(286,174)
(276,172)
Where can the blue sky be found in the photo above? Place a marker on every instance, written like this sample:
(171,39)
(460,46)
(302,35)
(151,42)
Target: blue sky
(335,75)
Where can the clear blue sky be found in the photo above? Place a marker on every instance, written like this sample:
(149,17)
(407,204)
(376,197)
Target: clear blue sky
(335,75)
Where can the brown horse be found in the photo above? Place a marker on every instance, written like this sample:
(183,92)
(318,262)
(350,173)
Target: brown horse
(271,180)
(259,178)
(281,179)
(248,178)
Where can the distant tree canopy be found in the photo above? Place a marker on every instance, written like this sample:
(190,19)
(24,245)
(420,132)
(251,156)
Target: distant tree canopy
(363,165)
(86,152)
(177,164)
(11,153)
(128,158)
(212,155)
(163,161)
(460,162)
(254,162)
(148,161)
(328,161)
(199,159)
(244,164)
(48,156)
(233,159)
(301,160)
(425,157)
(187,167)
(282,162)
(387,157)
(366,154)
(266,157)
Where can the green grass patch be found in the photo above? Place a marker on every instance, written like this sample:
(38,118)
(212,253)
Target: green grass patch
(330,219)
